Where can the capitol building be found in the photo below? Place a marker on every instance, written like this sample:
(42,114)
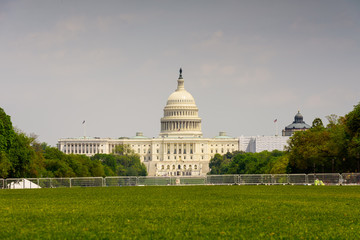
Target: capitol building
(179,150)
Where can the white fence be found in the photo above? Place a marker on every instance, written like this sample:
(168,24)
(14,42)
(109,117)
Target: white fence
(243,179)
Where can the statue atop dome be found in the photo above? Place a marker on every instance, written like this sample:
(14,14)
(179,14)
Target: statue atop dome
(180,76)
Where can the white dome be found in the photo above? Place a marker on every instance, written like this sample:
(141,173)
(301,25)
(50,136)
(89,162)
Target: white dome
(181,97)
(181,114)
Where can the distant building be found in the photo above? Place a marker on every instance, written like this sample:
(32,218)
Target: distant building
(297,125)
(180,149)
(262,143)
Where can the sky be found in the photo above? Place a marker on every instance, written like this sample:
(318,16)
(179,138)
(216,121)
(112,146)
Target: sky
(114,64)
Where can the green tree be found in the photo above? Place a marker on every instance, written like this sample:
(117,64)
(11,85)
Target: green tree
(352,123)
(317,123)
(5,165)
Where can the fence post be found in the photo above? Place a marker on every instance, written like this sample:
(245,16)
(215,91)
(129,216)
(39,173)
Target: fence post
(340,179)
(288,179)
(306,179)
(70,182)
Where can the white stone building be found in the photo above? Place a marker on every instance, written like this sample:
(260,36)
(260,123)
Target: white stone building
(180,149)
(262,143)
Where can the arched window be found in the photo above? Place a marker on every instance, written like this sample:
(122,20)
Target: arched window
(195,167)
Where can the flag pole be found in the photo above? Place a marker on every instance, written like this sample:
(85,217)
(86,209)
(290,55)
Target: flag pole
(276,127)
(84,128)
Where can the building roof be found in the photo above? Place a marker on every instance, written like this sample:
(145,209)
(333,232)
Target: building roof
(298,123)
(222,135)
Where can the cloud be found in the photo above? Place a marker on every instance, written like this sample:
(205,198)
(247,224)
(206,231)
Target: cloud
(237,75)
(331,98)
(107,23)
(62,32)
(215,39)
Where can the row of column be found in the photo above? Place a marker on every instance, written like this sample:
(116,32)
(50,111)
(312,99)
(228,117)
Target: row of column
(180,125)
(81,148)
(181,113)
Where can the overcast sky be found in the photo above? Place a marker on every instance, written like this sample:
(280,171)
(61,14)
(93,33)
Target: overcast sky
(114,64)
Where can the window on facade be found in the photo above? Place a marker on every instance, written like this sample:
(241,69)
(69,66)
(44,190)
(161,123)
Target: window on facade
(173,167)
(195,167)
(191,151)
(180,151)
(174,157)
(184,166)
(212,151)
(202,157)
(179,167)
(168,157)
(157,150)
(138,150)
(162,167)
(189,166)
(168,167)
(202,150)
(222,150)
(174,151)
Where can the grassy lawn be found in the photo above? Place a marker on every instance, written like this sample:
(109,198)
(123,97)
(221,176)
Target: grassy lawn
(195,212)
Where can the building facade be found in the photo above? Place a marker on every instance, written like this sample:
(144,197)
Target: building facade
(179,150)
(262,143)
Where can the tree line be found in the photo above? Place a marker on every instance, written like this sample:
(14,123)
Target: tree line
(321,149)
(23,156)
(331,148)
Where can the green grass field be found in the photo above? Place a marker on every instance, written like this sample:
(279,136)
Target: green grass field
(195,212)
